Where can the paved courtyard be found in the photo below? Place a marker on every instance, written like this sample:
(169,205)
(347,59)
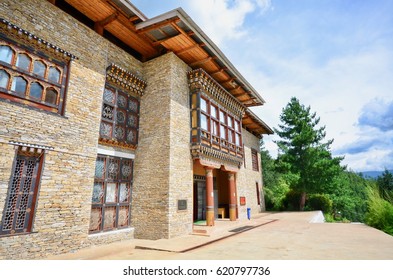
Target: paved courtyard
(268,236)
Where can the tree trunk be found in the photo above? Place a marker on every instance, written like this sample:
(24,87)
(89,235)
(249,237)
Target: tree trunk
(302,201)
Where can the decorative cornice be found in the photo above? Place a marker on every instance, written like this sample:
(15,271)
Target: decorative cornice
(36,146)
(115,143)
(199,79)
(216,157)
(125,79)
(26,38)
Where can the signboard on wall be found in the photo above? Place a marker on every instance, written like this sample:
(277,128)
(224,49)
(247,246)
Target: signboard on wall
(182,204)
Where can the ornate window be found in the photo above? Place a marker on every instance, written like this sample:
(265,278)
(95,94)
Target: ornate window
(31,79)
(111,199)
(22,193)
(221,127)
(119,118)
(254,159)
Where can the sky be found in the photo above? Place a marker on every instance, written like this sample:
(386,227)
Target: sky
(335,56)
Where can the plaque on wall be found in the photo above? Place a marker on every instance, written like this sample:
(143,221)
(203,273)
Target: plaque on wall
(242,200)
(182,204)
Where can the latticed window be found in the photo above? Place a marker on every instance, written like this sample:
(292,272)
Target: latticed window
(254,158)
(111,199)
(22,193)
(28,78)
(120,117)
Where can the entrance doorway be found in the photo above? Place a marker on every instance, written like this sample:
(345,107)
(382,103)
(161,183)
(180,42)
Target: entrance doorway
(200,198)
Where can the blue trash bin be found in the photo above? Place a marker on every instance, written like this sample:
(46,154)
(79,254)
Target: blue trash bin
(248,213)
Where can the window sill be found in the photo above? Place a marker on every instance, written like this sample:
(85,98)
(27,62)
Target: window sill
(99,234)
(17,234)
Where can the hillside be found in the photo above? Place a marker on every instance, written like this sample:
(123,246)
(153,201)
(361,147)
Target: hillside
(373,174)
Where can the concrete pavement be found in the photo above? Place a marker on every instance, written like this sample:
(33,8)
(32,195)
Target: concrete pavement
(285,235)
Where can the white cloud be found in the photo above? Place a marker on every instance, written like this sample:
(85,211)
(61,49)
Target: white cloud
(223,19)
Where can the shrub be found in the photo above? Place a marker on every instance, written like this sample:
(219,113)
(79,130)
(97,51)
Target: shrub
(380,212)
(291,201)
(319,202)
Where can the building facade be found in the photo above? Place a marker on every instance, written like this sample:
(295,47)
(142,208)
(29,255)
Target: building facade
(115,126)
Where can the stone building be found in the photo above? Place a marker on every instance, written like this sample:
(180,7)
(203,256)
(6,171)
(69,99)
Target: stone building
(115,126)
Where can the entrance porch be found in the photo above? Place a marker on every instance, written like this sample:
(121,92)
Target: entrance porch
(215,194)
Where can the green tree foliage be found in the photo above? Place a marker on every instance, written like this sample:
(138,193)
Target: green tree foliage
(303,153)
(274,184)
(385,185)
(349,196)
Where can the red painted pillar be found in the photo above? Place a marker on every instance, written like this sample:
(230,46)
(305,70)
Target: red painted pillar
(209,197)
(232,196)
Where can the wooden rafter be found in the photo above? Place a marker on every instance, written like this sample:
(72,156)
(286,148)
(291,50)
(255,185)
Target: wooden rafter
(189,49)
(241,95)
(159,42)
(222,70)
(201,62)
(132,19)
(100,25)
(235,89)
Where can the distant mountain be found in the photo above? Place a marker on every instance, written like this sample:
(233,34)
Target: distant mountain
(373,174)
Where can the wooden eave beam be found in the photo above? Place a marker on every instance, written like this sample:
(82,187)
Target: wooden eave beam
(132,19)
(201,62)
(189,49)
(240,94)
(159,42)
(236,88)
(145,41)
(100,25)
(227,81)
(222,70)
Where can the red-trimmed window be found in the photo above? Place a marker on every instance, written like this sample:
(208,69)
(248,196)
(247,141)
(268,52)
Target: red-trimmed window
(222,126)
(204,115)
(111,201)
(32,79)
(215,127)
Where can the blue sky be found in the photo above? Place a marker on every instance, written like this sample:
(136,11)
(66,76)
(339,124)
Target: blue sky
(334,55)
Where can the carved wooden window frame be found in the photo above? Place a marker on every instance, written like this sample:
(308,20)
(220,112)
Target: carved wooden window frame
(230,130)
(111,199)
(21,200)
(119,120)
(52,98)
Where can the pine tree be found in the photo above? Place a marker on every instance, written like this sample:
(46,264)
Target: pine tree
(302,152)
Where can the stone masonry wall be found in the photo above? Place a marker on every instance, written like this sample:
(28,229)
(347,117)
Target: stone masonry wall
(246,178)
(181,174)
(64,200)
(150,194)
(163,165)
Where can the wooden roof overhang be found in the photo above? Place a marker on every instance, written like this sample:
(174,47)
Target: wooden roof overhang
(255,125)
(174,32)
